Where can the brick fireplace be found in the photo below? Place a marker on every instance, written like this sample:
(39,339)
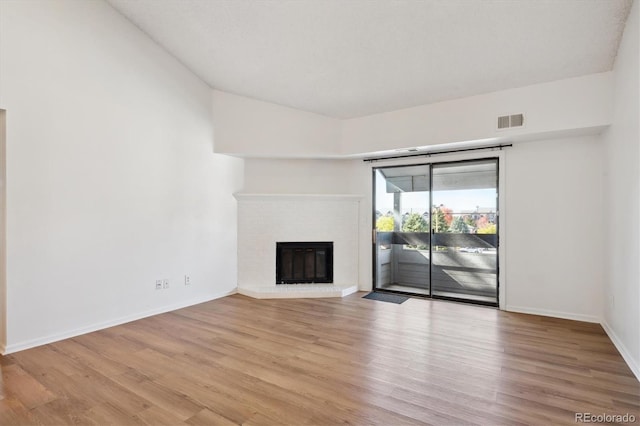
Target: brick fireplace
(264,220)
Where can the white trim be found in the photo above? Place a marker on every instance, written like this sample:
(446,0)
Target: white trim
(502,230)
(626,354)
(28,344)
(440,158)
(368,287)
(275,197)
(554,314)
(298,291)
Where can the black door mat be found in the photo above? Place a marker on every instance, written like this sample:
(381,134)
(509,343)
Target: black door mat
(386,297)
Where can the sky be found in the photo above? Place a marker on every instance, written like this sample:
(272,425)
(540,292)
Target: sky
(418,202)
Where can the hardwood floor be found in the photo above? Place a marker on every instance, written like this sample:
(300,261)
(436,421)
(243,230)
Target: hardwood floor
(238,360)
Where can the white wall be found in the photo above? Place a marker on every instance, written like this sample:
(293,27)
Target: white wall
(255,128)
(111,178)
(302,176)
(621,203)
(555,108)
(554,232)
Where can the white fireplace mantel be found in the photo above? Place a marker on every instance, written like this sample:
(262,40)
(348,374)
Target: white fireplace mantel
(264,219)
(242,196)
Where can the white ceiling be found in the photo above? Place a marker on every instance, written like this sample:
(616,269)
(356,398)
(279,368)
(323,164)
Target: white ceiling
(349,58)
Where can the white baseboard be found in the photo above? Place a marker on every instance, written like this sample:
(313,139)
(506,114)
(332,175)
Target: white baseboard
(27,344)
(555,314)
(626,354)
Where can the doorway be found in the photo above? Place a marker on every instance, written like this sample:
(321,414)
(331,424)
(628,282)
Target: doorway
(436,230)
(3,230)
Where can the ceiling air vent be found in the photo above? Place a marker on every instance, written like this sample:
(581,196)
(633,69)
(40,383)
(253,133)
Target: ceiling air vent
(508,121)
(517,120)
(503,122)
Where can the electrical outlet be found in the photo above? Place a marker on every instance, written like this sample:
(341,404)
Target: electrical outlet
(187,280)
(165,283)
(158,284)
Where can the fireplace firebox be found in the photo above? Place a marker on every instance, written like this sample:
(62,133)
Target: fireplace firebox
(304,262)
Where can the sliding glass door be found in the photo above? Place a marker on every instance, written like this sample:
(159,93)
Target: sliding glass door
(402,236)
(465,256)
(436,230)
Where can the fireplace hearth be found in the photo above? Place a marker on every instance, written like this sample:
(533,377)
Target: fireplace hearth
(304,262)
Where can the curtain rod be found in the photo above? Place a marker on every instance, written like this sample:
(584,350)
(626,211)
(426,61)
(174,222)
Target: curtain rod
(429,154)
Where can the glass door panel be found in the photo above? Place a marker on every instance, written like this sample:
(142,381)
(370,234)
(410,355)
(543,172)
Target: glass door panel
(402,235)
(465,224)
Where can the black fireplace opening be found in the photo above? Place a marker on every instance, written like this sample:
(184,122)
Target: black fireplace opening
(304,262)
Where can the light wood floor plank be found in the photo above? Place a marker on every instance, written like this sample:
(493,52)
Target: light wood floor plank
(239,360)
